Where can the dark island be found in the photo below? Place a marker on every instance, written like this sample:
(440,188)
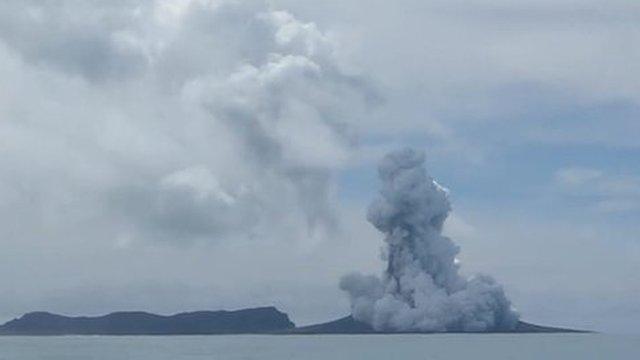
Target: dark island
(246,321)
(264,320)
(348,325)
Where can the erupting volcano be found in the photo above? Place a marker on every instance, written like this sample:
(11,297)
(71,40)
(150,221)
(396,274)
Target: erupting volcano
(421,288)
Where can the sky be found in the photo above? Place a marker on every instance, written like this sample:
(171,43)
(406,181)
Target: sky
(180,155)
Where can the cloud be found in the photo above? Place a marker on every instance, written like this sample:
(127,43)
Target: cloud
(468,80)
(98,41)
(577,176)
(180,123)
(603,192)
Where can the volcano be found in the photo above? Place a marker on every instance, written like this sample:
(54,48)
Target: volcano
(348,325)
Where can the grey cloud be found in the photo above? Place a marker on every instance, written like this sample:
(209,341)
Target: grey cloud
(94,40)
(461,67)
(226,93)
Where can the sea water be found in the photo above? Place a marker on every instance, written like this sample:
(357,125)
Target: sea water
(323,347)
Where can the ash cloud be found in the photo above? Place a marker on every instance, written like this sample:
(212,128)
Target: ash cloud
(421,288)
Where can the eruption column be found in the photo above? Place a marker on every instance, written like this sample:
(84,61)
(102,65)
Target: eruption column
(421,288)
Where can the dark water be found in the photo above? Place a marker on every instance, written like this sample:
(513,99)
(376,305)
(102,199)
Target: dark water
(425,347)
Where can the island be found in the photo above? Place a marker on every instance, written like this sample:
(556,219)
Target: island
(263,320)
(348,325)
(246,321)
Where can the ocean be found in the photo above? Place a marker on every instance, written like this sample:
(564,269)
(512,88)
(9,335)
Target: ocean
(323,347)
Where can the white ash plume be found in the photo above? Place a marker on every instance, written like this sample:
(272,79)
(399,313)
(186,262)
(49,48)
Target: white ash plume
(421,288)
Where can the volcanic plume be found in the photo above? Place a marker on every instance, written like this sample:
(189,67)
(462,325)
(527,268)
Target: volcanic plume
(421,288)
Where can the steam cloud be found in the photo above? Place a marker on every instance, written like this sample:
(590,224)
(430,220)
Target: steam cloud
(245,115)
(421,289)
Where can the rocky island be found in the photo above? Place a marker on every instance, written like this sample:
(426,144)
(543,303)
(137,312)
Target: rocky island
(245,321)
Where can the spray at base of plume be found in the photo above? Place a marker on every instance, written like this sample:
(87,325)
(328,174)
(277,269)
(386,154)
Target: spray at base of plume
(421,288)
